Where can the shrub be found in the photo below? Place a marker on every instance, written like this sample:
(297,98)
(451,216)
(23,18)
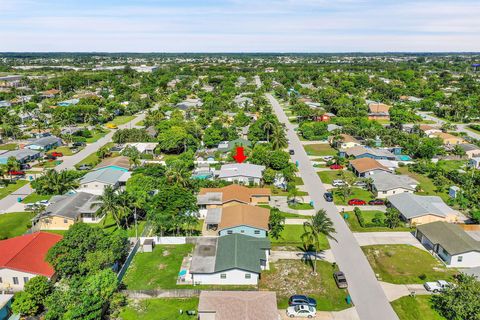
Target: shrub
(358,214)
(422,276)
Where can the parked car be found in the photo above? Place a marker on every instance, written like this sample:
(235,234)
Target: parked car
(338,183)
(292,152)
(84,167)
(16,173)
(328,196)
(78,144)
(300,299)
(436,286)
(340,279)
(327,158)
(361,184)
(49,156)
(25,166)
(301,311)
(376,202)
(111,126)
(336,167)
(356,202)
(57,154)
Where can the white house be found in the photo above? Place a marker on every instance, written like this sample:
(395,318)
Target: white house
(245,173)
(96,181)
(449,242)
(386,184)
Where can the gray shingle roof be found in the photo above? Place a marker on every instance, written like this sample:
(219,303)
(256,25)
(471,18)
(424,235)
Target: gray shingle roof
(107,176)
(71,205)
(45,141)
(450,236)
(20,154)
(413,206)
(384,181)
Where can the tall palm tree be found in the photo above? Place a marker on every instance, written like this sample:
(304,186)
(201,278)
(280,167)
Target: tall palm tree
(279,141)
(267,126)
(318,225)
(177,175)
(107,205)
(12,165)
(293,194)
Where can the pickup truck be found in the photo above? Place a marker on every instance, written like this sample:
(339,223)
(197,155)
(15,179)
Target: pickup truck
(436,286)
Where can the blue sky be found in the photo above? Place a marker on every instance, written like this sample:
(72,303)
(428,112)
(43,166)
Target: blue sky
(240,25)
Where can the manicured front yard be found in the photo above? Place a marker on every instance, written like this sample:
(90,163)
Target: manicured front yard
(96,135)
(8,146)
(65,150)
(92,159)
(328,176)
(122,120)
(283,214)
(356,193)
(420,307)
(158,269)
(452,164)
(153,309)
(279,192)
(14,224)
(321,149)
(355,226)
(288,277)
(405,264)
(426,184)
(11,187)
(300,206)
(35,197)
(291,237)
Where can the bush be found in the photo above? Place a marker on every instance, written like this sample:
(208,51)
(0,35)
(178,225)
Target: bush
(358,214)
(423,276)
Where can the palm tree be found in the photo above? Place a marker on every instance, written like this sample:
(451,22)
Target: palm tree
(107,205)
(293,194)
(318,225)
(279,141)
(12,165)
(267,126)
(177,175)
(103,152)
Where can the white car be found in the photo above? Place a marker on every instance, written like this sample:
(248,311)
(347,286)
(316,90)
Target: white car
(327,158)
(436,286)
(301,311)
(338,183)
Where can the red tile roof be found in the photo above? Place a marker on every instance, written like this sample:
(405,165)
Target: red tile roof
(27,253)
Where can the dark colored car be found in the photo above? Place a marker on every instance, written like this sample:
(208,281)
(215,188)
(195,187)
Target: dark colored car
(78,144)
(16,173)
(49,156)
(292,152)
(300,299)
(340,279)
(57,154)
(84,167)
(25,166)
(356,202)
(376,202)
(328,196)
(336,167)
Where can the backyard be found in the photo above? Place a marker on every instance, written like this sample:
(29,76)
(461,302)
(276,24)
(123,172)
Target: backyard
(414,308)
(14,224)
(426,184)
(368,216)
(291,237)
(405,264)
(122,120)
(322,149)
(288,277)
(11,187)
(153,309)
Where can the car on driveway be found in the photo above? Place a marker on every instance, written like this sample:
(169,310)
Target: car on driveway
(300,299)
(301,311)
(16,173)
(84,167)
(340,279)
(356,202)
(328,196)
(336,167)
(292,152)
(376,202)
(49,156)
(436,286)
(57,154)
(361,184)
(338,183)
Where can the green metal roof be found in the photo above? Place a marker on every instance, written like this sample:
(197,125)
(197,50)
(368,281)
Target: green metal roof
(450,236)
(241,252)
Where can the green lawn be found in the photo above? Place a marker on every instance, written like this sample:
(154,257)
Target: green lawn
(405,264)
(159,309)
(420,307)
(450,165)
(9,146)
(92,159)
(14,224)
(47,164)
(328,176)
(283,214)
(63,149)
(34,197)
(5,191)
(279,192)
(472,129)
(352,222)
(158,269)
(140,123)
(122,120)
(323,149)
(357,193)
(291,237)
(300,206)
(426,184)
(287,277)
(298,181)
(96,135)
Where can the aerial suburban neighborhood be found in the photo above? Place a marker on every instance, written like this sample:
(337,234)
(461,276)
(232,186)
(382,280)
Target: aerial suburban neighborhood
(139,183)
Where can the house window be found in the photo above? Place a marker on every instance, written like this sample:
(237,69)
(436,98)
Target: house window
(223,276)
(248,276)
(242,231)
(25,279)
(459,258)
(65,221)
(15,280)
(256,232)
(1,280)
(384,192)
(229,232)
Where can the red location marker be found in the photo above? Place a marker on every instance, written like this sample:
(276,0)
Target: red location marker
(239,157)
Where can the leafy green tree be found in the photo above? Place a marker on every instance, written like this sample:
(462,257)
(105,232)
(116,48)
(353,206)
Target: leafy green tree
(276,223)
(392,218)
(103,152)
(53,182)
(30,301)
(314,130)
(12,165)
(278,138)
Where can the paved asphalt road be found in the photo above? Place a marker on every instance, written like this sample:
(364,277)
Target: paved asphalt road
(461,127)
(367,294)
(68,163)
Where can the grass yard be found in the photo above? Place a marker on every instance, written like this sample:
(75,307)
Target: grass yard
(449,165)
(470,128)
(140,123)
(279,192)
(47,164)
(158,309)
(9,146)
(426,184)
(300,206)
(288,277)
(14,224)
(405,264)
(92,159)
(357,193)
(328,176)
(283,214)
(420,307)
(63,149)
(298,181)
(122,120)
(96,135)
(158,269)
(323,149)
(35,197)
(291,237)
(354,225)
(11,187)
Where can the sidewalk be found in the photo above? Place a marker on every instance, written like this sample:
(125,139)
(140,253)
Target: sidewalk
(325,255)
(347,314)
(373,238)
(396,291)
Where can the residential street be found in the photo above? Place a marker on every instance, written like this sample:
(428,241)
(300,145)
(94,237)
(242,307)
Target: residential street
(367,294)
(461,127)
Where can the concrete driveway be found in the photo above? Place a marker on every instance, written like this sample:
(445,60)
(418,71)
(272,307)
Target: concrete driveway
(396,291)
(347,314)
(372,238)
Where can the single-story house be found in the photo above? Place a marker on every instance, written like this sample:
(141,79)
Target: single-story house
(474,163)
(45,143)
(359,152)
(96,181)
(455,247)
(23,257)
(428,130)
(471,150)
(418,210)
(22,155)
(234,259)
(232,194)
(346,141)
(378,111)
(365,167)
(63,211)
(447,138)
(238,305)
(245,173)
(226,146)
(120,163)
(143,147)
(240,218)
(385,184)
(189,103)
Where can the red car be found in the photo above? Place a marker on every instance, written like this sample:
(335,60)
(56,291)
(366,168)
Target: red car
(336,167)
(57,154)
(17,173)
(356,202)
(376,202)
